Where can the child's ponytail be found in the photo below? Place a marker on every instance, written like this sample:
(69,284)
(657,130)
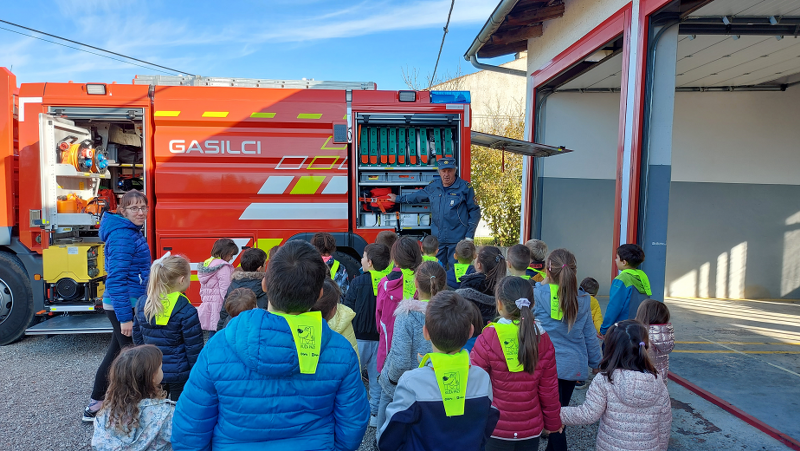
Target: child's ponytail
(516,294)
(563,268)
(165,274)
(494,265)
(431,278)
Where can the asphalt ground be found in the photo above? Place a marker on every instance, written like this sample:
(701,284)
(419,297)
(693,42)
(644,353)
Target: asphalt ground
(745,352)
(46,383)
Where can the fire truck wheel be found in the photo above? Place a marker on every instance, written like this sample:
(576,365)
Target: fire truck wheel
(16,299)
(351,264)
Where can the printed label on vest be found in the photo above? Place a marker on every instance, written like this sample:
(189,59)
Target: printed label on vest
(508,334)
(555,308)
(307,334)
(452,372)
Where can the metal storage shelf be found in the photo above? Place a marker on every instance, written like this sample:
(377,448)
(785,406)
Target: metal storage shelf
(66,170)
(397,168)
(126,165)
(77,219)
(379,183)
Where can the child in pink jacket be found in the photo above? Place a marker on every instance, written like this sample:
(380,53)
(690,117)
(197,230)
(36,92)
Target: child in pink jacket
(627,396)
(396,286)
(215,277)
(655,315)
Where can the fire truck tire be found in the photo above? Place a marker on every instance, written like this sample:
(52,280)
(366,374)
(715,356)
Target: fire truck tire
(351,264)
(16,299)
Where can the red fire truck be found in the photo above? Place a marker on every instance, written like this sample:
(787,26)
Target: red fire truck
(258,161)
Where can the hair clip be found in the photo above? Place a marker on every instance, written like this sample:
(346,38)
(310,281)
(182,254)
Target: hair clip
(641,343)
(160,261)
(522,302)
(497,259)
(564,265)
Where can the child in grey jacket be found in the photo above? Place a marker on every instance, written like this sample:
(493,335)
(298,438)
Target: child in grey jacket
(408,343)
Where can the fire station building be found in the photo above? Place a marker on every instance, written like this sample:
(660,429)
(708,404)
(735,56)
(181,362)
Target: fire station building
(684,121)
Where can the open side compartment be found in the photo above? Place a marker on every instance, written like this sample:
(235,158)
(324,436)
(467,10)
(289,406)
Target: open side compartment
(398,153)
(89,158)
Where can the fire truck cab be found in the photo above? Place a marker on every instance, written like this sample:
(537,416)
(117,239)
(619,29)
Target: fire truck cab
(258,161)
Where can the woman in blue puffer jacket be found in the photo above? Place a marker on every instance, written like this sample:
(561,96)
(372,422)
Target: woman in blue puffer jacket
(127,261)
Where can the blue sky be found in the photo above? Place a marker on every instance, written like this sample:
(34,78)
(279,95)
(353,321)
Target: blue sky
(278,39)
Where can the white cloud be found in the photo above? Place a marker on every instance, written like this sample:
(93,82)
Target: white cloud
(375,17)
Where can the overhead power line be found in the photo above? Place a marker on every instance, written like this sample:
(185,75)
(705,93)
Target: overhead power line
(149,64)
(447,24)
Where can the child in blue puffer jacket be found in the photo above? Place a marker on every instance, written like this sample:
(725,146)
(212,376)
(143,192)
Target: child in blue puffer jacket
(278,379)
(166,319)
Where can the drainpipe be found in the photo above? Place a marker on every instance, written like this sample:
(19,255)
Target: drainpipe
(497,18)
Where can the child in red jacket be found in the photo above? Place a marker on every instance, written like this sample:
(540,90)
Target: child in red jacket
(521,363)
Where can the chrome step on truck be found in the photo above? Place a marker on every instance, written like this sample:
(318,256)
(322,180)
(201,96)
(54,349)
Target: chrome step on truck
(79,323)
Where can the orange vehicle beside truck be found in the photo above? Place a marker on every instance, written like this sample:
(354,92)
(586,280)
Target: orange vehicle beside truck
(258,161)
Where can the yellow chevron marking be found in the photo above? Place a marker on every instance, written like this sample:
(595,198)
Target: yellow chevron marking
(308,184)
(325,146)
(309,116)
(215,114)
(335,159)
(263,115)
(267,244)
(166,113)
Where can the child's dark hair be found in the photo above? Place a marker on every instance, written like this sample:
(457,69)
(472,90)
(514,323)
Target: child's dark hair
(130,381)
(406,253)
(295,276)
(563,269)
(386,238)
(631,253)
(465,251)
(651,311)
(379,254)
(519,256)
(493,265)
(430,245)
(240,300)
(626,344)
(538,250)
(252,259)
(590,285)
(477,319)
(431,278)
(509,291)
(447,320)
(224,248)
(324,242)
(329,299)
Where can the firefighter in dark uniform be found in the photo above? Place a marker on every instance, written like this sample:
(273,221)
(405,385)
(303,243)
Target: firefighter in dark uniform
(454,214)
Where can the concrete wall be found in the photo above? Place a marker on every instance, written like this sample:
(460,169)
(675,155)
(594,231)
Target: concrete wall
(580,17)
(734,226)
(494,95)
(734,213)
(578,188)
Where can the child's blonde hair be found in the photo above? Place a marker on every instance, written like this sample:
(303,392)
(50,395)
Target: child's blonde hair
(538,250)
(165,273)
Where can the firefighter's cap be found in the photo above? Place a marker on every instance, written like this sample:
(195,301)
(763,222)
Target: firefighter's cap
(445,163)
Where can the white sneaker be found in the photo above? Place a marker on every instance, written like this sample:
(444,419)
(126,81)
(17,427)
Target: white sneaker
(373,421)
